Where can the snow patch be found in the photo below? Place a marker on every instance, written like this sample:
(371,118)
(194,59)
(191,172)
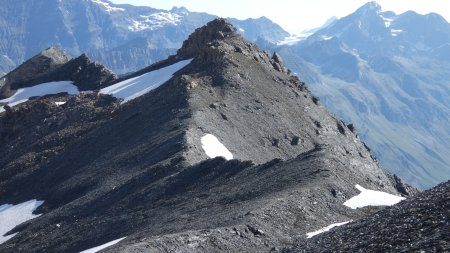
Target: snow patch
(107,6)
(22,95)
(59,103)
(372,198)
(326,37)
(387,21)
(155,21)
(214,148)
(103,246)
(138,86)
(13,215)
(396,32)
(241,30)
(325,229)
(293,39)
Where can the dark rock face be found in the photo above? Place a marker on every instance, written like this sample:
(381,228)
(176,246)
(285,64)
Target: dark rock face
(139,169)
(54,65)
(86,74)
(418,224)
(40,65)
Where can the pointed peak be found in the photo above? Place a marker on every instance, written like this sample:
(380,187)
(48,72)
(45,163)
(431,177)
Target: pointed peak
(369,7)
(53,54)
(181,9)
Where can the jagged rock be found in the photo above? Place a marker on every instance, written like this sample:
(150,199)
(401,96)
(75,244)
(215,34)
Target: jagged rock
(198,41)
(277,63)
(86,74)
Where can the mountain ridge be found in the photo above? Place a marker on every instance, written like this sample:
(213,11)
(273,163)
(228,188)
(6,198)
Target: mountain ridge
(140,168)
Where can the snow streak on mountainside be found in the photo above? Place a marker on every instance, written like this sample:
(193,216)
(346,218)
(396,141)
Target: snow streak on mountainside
(103,246)
(138,86)
(22,95)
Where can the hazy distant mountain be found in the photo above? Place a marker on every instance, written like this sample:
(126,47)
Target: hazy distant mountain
(388,74)
(123,37)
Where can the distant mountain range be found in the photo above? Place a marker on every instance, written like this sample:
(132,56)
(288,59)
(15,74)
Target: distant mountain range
(123,37)
(389,75)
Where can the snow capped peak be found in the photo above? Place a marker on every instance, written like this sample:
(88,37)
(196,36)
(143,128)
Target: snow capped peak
(155,21)
(107,6)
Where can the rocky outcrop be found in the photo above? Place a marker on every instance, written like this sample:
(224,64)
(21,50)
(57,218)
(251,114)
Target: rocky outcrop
(37,67)
(200,39)
(86,74)
(53,65)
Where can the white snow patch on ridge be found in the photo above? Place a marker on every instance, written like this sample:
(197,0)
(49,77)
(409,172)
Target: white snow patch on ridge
(325,229)
(13,215)
(214,148)
(293,39)
(107,6)
(396,32)
(104,246)
(155,21)
(372,198)
(138,86)
(22,95)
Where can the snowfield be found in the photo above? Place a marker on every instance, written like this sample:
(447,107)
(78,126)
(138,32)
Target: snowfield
(372,198)
(22,95)
(155,21)
(13,215)
(325,229)
(138,86)
(214,148)
(107,6)
(104,246)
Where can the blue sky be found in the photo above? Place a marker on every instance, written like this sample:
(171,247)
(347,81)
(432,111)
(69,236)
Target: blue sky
(294,15)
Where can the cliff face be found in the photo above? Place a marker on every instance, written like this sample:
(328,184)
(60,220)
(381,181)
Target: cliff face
(142,168)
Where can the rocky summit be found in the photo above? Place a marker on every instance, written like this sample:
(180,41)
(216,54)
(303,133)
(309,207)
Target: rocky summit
(231,153)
